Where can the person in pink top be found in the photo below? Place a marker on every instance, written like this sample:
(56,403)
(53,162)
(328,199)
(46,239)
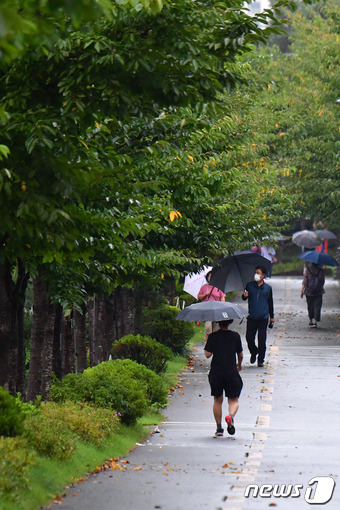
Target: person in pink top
(209,293)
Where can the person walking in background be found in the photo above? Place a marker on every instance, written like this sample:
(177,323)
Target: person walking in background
(261,310)
(313,288)
(209,293)
(224,345)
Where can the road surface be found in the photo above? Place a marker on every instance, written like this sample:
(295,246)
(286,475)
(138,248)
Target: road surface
(285,453)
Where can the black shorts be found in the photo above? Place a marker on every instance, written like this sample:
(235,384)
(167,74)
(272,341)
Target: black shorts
(231,384)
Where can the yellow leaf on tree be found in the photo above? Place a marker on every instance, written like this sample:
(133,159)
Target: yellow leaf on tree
(174,214)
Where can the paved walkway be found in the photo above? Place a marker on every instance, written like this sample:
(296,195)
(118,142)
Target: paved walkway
(287,428)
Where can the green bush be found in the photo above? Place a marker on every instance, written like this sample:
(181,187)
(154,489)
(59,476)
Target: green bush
(160,323)
(144,350)
(15,463)
(48,434)
(124,386)
(11,416)
(151,382)
(70,388)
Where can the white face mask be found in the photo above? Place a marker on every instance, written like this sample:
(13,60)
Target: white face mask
(257,277)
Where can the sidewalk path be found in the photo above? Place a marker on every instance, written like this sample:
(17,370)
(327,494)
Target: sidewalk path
(287,427)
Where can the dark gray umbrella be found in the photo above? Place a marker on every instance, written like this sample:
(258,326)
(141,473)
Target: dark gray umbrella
(325,234)
(212,311)
(235,271)
(306,238)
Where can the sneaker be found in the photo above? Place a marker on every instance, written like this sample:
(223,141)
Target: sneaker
(314,325)
(253,358)
(260,364)
(219,432)
(311,324)
(230,423)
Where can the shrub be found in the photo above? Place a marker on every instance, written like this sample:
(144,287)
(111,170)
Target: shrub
(48,434)
(70,388)
(11,416)
(88,422)
(160,323)
(15,463)
(124,386)
(151,382)
(144,350)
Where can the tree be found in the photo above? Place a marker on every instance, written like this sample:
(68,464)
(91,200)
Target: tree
(300,110)
(96,163)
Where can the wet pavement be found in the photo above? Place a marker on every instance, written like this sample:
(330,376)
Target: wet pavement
(285,453)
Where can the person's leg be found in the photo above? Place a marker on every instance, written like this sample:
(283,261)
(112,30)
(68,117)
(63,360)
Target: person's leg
(317,307)
(217,410)
(310,308)
(233,408)
(262,338)
(207,329)
(250,337)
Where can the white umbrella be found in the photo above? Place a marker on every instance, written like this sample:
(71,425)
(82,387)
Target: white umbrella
(194,281)
(306,238)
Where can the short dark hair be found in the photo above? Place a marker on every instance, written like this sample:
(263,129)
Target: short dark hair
(262,269)
(208,273)
(225,323)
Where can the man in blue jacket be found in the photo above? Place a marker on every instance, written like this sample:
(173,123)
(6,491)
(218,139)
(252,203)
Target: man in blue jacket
(261,310)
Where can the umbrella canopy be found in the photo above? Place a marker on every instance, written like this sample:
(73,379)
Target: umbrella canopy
(235,271)
(212,311)
(193,282)
(306,238)
(318,257)
(325,234)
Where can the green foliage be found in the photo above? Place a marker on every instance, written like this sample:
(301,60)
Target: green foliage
(123,386)
(297,114)
(11,415)
(161,324)
(16,461)
(120,163)
(144,350)
(49,435)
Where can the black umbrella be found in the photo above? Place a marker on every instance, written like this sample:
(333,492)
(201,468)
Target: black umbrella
(235,271)
(212,311)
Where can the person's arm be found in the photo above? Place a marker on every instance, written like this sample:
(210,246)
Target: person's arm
(271,305)
(208,354)
(245,294)
(201,294)
(239,361)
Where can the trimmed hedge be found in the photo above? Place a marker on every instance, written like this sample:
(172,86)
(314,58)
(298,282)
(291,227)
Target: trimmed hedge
(123,386)
(160,323)
(144,350)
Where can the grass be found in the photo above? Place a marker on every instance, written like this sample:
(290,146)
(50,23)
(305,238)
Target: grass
(49,476)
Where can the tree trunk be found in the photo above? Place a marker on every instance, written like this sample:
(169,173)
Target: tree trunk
(68,351)
(92,309)
(105,327)
(41,341)
(124,306)
(79,327)
(57,357)
(12,348)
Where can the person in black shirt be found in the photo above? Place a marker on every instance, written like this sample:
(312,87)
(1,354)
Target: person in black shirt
(224,345)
